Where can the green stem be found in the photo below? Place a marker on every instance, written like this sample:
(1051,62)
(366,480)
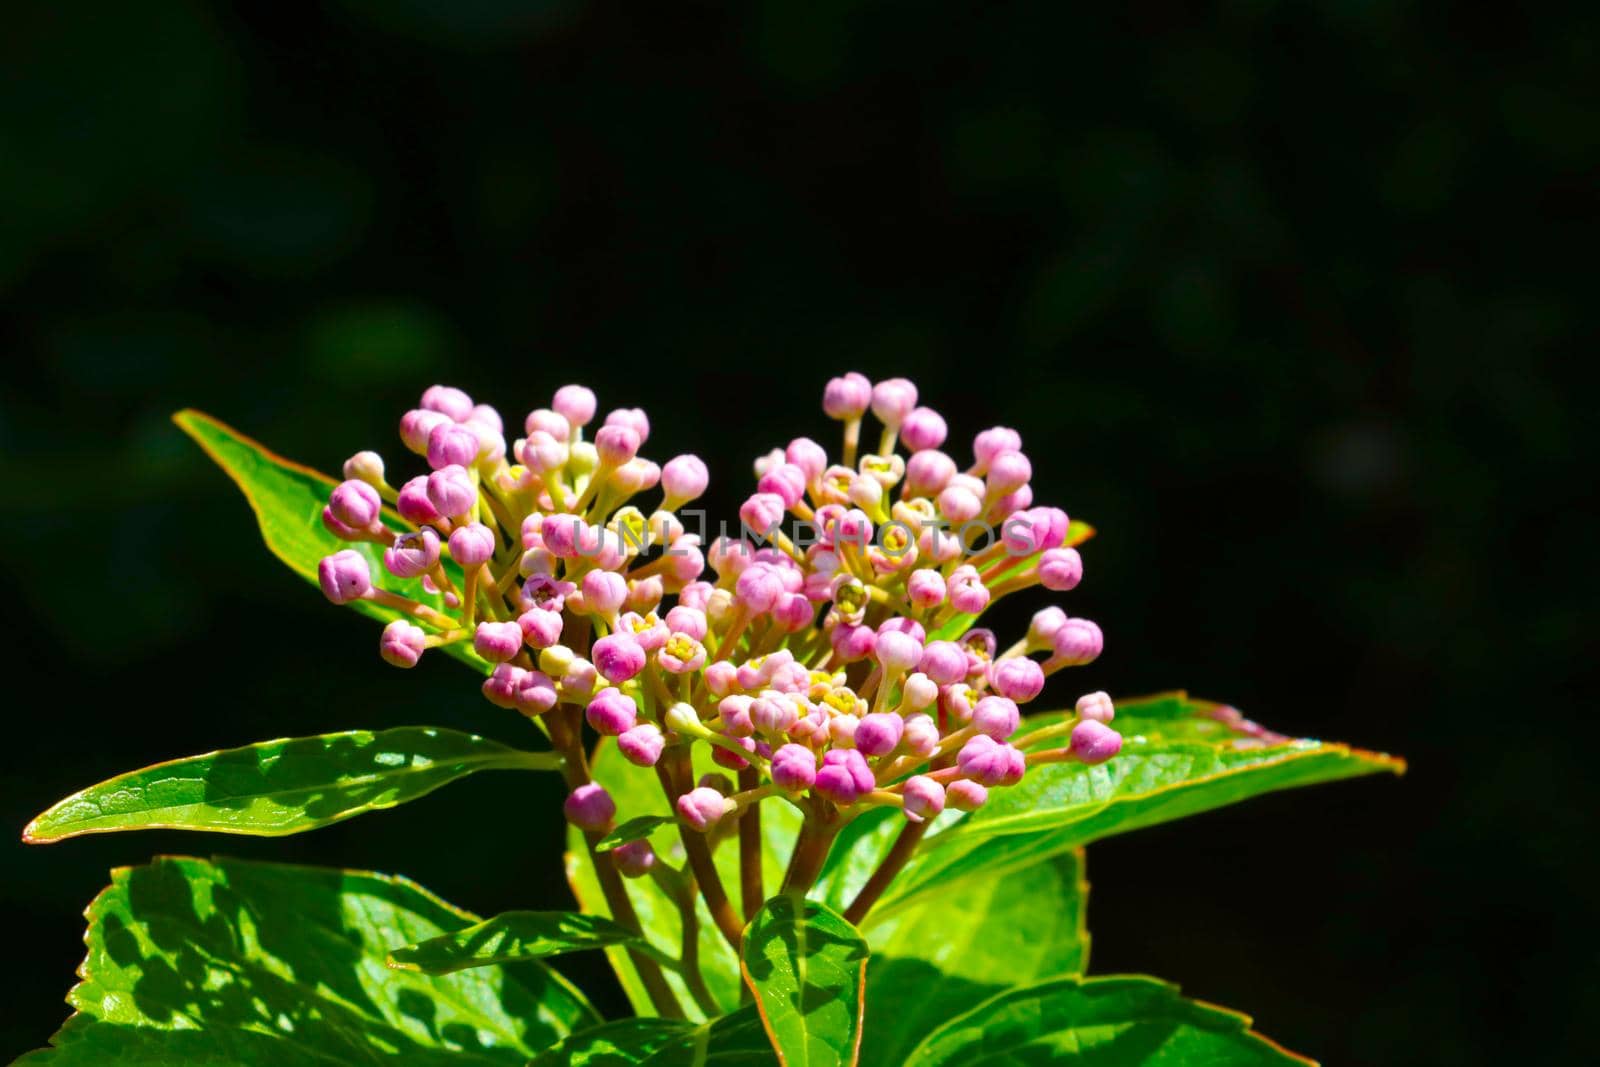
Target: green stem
(810,850)
(751,891)
(893,863)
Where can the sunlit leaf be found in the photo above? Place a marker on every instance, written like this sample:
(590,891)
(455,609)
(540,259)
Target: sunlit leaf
(935,959)
(282,787)
(1180,757)
(288,499)
(510,937)
(623,1043)
(632,830)
(807,967)
(1118,1021)
(232,962)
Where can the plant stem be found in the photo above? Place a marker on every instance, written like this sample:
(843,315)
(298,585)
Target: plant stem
(751,891)
(899,854)
(575,768)
(810,849)
(682,891)
(700,861)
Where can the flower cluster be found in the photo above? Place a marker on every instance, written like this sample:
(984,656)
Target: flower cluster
(836,667)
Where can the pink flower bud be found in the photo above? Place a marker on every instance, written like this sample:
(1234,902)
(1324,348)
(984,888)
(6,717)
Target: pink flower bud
(575,403)
(925,588)
(451,492)
(923,429)
(472,545)
(497,642)
(919,691)
(1017,678)
(632,418)
(590,807)
(924,798)
(733,713)
(989,762)
(892,400)
(793,612)
(534,692)
(957,701)
(416,425)
(1076,642)
(965,795)
(616,445)
(762,512)
(852,642)
(921,736)
(448,401)
(451,445)
(540,628)
(721,678)
(344,576)
(992,442)
(611,712)
(968,594)
(1095,742)
(684,478)
(634,858)
(1096,706)
(618,657)
(928,472)
(995,716)
(1019,499)
(847,397)
(844,777)
(794,768)
(547,422)
(604,593)
(402,643)
(1008,471)
(842,729)
(897,652)
(339,529)
(642,745)
(501,686)
(412,554)
(958,504)
(1060,569)
(413,502)
(681,654)
(809,456)
(878,733)
(759,588)
(945,662)
(773,715)
(356,504)
(366,466)
(1042,628)
(701,808)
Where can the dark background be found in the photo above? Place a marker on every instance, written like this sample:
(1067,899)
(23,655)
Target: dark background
(1277,294)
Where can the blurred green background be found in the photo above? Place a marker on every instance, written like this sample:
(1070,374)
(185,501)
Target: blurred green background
(1282,297)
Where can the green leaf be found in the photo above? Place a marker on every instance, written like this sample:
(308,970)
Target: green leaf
(1128,1021)
(956,625)
(510,937)
(632,830)
(282,787)
(807,967)
(234,962)
(932,961)
(734,1040)
(637,790)
(288,499)
(623,1043)
(1180,757)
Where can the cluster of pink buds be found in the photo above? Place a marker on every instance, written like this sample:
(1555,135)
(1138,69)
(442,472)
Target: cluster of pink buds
(826,656)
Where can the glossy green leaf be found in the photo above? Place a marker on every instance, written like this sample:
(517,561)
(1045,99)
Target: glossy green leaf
(282,787)
(632,830)
(288,499)
(956,625)
(734,1040)
(1180,757)
(807,967)
(932,961)
(1122,1021)
(232,962)
(623,1043)
(510,937)
(637,792)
